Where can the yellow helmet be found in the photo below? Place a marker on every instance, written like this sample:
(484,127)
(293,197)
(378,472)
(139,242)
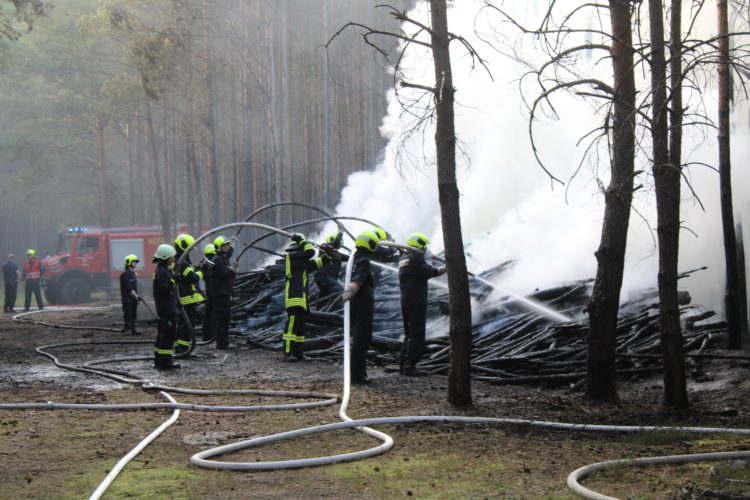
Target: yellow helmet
(209,249)
(221,240)
(418,240)
(382,234)
(335,240)
(367,240)
(183,241)
(130,259)
(31,252)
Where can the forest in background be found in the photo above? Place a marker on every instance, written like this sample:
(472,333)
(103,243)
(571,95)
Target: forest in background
(115,112)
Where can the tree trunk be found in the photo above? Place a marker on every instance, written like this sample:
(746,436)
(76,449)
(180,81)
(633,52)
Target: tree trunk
(605,299)
(667,185)
(166,224)
(725,181)
(101,171)
(212,168)
(459,374)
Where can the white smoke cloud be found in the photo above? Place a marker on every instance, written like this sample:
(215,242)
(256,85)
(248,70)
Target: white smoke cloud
(509,210)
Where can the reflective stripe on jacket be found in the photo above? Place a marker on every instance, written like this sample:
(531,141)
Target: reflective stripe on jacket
(298,263)
(32,269)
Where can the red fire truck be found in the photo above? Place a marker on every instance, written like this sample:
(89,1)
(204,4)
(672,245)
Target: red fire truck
(89,258)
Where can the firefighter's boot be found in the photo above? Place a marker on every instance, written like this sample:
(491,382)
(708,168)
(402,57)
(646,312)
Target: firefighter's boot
(164,362)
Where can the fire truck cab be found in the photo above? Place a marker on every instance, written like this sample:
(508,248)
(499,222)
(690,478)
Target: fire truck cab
(90,258)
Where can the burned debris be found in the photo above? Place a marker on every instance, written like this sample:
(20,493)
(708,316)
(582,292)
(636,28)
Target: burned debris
(512,343)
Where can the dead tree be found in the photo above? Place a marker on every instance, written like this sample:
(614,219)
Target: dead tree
(442,95)
(667,185)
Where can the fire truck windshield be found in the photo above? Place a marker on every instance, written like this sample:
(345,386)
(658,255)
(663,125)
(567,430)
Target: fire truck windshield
(63,242)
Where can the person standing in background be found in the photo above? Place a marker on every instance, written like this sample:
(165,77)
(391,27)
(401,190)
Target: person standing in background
(11,277)
(33,271)
(129,294)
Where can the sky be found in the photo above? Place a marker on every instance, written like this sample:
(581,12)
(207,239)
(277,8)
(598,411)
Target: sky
(510,209)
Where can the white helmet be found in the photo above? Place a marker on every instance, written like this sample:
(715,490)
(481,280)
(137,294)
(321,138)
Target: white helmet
(164,252)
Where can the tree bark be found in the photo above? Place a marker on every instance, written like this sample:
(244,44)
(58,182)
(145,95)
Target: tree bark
(605,299)
(725,182)
(459,374)
(667,185)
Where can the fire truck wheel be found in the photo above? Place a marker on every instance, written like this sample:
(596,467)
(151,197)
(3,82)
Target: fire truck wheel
(75,291)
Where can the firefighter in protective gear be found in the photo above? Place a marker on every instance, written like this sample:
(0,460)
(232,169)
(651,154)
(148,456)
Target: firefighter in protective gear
(129,294)
(222,284)
(298,262)
(188,291)
(206,265)
(413,274)
(361,292)
(11,277)
(165,297)
(383,254)
(329,264)
(33,272)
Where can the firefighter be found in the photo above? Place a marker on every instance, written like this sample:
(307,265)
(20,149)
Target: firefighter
(129,294)
(206,264)
(222,284)
(384,254)
(361,292)
(298,261)
(33,271)
(165,297)
(329,264)
(189,292)
(413,273)
(11,277)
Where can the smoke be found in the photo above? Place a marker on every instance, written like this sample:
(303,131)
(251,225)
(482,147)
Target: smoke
(510,209)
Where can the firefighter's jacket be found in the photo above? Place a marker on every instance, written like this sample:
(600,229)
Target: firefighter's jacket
(329,269)
(413,273)
(362,276)
(188,282)
(128,284)
(222,276)
(298,263)
(33,269)
(165,292)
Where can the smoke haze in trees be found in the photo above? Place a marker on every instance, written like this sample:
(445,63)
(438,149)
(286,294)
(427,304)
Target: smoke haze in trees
(509,209)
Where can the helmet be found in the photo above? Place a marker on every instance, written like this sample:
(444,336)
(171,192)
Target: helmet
(164,251)
(335,240)
(380,232)
(129,259)
(221,240)
(209,249)
(31,252)
(418,240)
(367,241)
(183,241)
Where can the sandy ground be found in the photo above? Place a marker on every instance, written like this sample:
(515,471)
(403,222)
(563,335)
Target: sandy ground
(67,453)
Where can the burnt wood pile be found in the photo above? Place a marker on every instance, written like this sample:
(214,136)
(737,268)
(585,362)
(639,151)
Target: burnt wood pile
(513,343)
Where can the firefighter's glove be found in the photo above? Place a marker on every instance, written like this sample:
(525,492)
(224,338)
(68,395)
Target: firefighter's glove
(139,298)
(326,247)
(349,292)
(298,238)
(441,271)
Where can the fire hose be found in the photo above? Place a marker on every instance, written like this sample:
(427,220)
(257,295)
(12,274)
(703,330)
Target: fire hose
(200,459)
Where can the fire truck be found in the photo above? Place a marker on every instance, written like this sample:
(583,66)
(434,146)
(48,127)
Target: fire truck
(91,258)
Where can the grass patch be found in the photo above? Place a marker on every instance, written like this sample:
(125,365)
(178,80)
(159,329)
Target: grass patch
(136,481)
